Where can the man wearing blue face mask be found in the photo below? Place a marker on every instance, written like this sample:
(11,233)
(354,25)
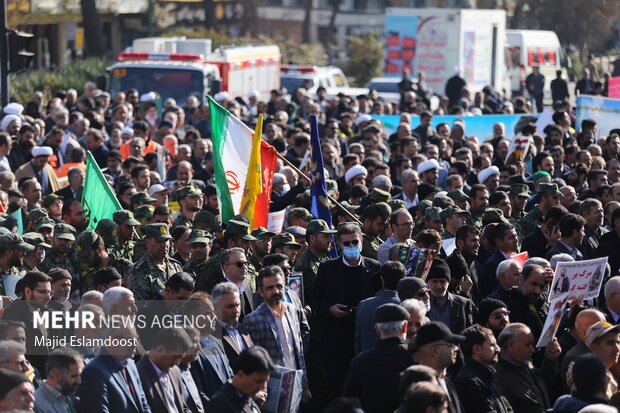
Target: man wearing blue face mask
(340,285)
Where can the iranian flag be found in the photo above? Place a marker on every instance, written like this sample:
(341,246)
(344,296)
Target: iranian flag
(232,147)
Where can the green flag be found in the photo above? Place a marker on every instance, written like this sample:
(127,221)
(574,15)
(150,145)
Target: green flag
(17,214)
(98,199)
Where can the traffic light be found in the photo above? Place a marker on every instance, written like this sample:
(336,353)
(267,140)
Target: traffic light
(19,54)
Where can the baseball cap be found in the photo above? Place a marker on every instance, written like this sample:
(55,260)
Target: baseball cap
(144,211)
(44,222)
(154,189)
(189,190)
(453,210)
(300,213)
(261,233)
(434,332)
(108,230)
(11,240)
(35,239)
(296,231)
(125,217)
(284,239)
(458,195)
(84,242)
(50,199)
(142,197)
(198,236)
(549,188)
(210,219)
(598,330)
(158,231)
(64,231)
(319,225)
(519,190)
(433,213)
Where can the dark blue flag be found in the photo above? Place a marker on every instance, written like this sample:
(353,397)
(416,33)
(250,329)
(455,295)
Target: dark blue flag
(318,191)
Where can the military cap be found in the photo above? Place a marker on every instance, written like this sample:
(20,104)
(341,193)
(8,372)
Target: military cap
(142,197)
(349,207)
(319,225)
(458,195)
(10,240)
(433,213)
(395,204)
(261,233)
(64,231)
(379,195)
(198,236)
(423,205)
(519,190)
(158,231)
(300,213)
(125,217)
(37,213)
(284,239)
(493,215)
(385,209)
(452,210)
(35,239)
(189,190)
(240,227)
(296,231)
(84,243)
(550,189)
(108,230)
(50,199)
(210,219)
(44,222)
(144,211)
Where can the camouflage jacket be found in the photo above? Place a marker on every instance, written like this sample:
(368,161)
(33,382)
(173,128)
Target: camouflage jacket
(182,220)
(146,279)
(86,273)
(370,246)
(53,260)
(124,251)
(530,221)
(475,220)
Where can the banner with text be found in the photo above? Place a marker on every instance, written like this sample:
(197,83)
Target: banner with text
(604,111)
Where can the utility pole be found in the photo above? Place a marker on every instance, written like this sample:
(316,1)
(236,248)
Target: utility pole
(4,56)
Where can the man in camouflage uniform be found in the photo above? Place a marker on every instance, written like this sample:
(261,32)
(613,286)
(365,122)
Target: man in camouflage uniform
(200,246)
(518,195)
(190,200)
(58,255)
(549,196)
(479,202)
(12,250)
(260,249)
(91,255)
(452,218)
(141,198)
(299,217)
(374,219)
(45,227)
(33,259)
(319,237)
(236,235)
(108,231)
(148,276)
(431,220)
(126,233)
(459,197)
(285,243)
(34,216)
(144,215)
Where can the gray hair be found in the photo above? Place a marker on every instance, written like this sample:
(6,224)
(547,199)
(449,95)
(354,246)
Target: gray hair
(186,147)
(537,261)
(511,332)
(278,178)
(405,174)
(560,258)
(612,286)
(6,175)
(74,172)
(91,308)
(91,297)
(113,296)
(505,266)
(382,182)
(222,289)
(8,347)
(414,306)
(391,327)
(225,254)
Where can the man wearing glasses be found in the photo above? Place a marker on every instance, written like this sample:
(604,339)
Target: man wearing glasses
(493,314)
(401,224)
(235,269)
(37,292)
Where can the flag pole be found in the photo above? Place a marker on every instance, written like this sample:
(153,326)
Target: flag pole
(304,176)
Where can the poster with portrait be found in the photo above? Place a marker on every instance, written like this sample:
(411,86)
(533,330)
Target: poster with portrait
(581,279)
(552,323)
(517,150)
(284,391)
(419,262)
(296,286)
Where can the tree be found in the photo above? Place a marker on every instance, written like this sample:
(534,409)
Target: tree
(365,57)
(93,31)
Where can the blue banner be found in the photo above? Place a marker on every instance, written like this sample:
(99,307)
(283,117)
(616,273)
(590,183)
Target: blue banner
(604,111)
(478,126)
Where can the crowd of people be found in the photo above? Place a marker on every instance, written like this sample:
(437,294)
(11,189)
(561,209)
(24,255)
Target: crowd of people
(334,312)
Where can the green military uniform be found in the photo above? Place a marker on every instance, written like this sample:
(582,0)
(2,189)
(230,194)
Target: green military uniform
(37,241)
(475,220)
(54,259)
(449,211)
(182,220)
(108,231)
(83,245)
(433,213)
(9,240)
(179,194)
(308,263)
(197,236)
(142,198)
(127,250)
(535,217)
(145,278)
(143,214)
(370,245)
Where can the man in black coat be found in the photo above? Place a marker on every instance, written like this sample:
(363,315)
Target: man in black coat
(504,239)
(559,87)
(251,369)
(340,285)
(475,382)
(374,374)
(454,88)
(454,311)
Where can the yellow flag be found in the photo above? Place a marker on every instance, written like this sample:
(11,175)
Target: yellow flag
(253,181)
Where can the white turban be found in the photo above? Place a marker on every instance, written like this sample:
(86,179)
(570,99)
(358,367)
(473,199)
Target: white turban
(362,118)
(486,173)
(428,165)
(355,171)
(8,119)
(221,96)
(13,109)
(42,151)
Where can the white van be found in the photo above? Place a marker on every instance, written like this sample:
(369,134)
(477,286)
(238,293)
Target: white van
(528,48)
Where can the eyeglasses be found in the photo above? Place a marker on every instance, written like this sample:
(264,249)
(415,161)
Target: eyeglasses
(351,243)
(500,315)
(405,224)
(239,264)
(44,292)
